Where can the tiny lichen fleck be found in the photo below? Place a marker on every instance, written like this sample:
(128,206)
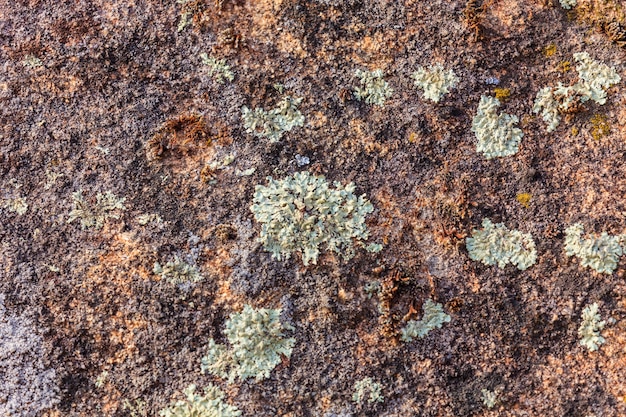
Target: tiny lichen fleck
(376,90)
(211,404)
(178,272)
(433,318)
(31,61)
(497,245)
(51,178)
(435,81)
(490,398)
(589,330)
(302,212)
(94,215)
(16,205)
(567,4)
(274,123)
(144,219)
(218,69)
(367,388)
(601,253)
(496,134)
(256,345)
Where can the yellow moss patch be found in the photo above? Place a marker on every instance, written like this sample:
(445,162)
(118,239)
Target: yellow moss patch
(502,94)
(524,199)
(564,66)
(549,50)
(600,127)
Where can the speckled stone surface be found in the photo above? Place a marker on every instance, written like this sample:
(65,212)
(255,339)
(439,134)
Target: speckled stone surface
(113,96)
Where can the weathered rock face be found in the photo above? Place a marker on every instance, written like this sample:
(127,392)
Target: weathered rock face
(137,107)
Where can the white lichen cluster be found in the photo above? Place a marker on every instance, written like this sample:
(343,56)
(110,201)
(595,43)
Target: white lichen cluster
(433,318)
(256,344)
(367,388)
(600,253)
(490,398)
(31,61)
(497,245)
(435,81)
(496,133)
(217,69)
(94,215)
(178,272)
(211,404)
(375,89)
(301,213)
(274,123)
(595,79)
(16,205)
(567,4)
(589,330)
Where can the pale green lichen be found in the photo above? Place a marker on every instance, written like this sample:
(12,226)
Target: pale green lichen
(589,330)
(496,134)
(144,219)
(435,81)
(301,213)
(433,318)
(256,344)
(136,409)
(567,4)
(178,272)
(601,253)
(375,89)
(185,15)
(595,79)
(599,76)
(16,205)
(497,245)
(94,215)
(274,123)
(211,404)
(490,398)
(367,388)
(32,61)
(218,69)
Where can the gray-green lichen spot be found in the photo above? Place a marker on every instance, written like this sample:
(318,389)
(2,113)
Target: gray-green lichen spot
(595,79)
(94,215)
(274,123)
(497,245)
(178,272)
(217,69)
(367,388)
(211,404)
(375,89)
(256,345)
(600,253)
(434,81)
(589,330)
(301,213)
(433,318)
(496,133)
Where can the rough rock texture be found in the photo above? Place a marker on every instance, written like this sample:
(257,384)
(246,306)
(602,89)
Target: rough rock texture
(109,96)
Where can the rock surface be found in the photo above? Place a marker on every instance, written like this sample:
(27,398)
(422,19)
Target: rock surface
(113,96)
